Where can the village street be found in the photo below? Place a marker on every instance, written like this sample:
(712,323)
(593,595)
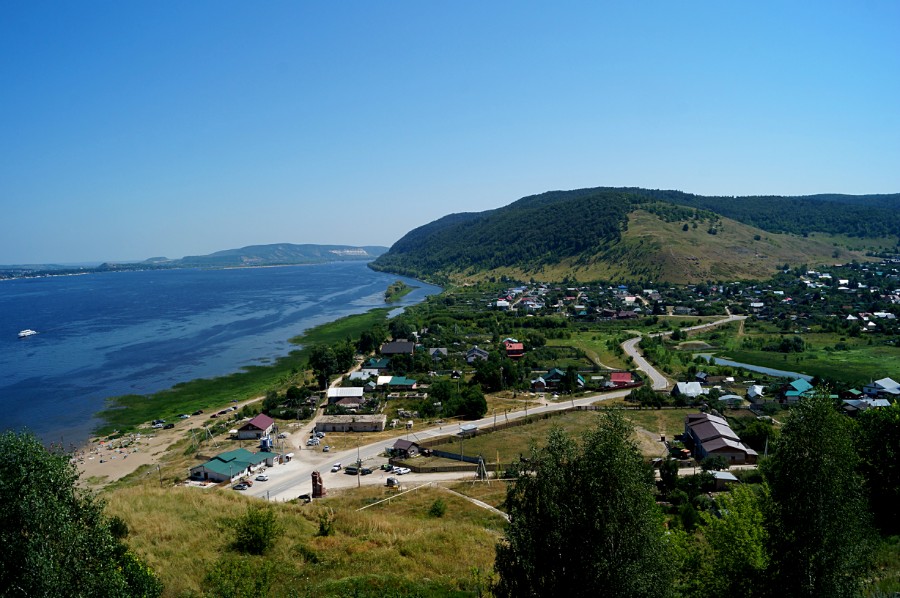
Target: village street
(289,481)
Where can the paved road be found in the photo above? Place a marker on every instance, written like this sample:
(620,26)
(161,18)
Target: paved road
(289,481)
(659,381)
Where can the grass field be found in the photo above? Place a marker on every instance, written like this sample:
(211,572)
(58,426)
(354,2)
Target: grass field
(858,364)
(506,446)
(395,545)
(126,412)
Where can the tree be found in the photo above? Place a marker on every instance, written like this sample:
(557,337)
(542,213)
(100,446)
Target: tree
(819,522)
(583,520)
(56,538)
(878,445)
(729,555)
(323,363)
(668,474)
(257,531)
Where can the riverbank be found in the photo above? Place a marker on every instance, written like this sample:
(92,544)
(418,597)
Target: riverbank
(124,414)
(397,291)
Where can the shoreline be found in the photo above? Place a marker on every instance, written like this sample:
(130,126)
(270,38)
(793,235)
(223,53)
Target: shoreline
(111,458)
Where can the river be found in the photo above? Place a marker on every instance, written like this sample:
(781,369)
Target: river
(114,333)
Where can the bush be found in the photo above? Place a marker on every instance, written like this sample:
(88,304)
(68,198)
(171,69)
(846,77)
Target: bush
(438,508)
(257,531)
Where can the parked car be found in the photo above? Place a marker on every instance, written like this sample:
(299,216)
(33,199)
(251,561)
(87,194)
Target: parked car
(326,448)
(262,478)
(282,435)
(387,466)
(335,467)
(351,470)
(320,434)
(365,471)
(168,426)
(401,470)
(241,486)
(198,412)
(184,416)
(157,426)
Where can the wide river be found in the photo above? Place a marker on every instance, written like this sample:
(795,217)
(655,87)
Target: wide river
(109,334)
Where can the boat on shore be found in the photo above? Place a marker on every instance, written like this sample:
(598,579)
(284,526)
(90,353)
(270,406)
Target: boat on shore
(27,332)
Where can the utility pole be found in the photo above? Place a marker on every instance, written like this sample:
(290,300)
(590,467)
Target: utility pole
(159,471)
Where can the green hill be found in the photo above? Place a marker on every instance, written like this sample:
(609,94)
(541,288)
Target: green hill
(639,234)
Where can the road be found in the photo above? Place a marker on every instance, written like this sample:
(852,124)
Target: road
(292,479)
(659,381)
(289,481)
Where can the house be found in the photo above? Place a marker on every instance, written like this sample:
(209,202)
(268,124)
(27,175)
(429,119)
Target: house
(405,448)
(475,353)
(514,350)
(401,383)
(797,389)
(723,478)
(854,406)
(350,403)
(373,363)
(732,400)
(701,377)
(258,427)
(398,347)
(352,392)
(437,353)
(755,393)
(553,379)
(884,388)
(687,389)
(712,436)
(351,423)
(230,465)
(621,379)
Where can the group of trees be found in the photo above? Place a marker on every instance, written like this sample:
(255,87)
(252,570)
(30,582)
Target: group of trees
(583,518)
(56,538)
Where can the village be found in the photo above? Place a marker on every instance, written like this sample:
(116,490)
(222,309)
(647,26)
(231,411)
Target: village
(446,375)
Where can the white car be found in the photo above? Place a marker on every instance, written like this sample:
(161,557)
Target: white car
(262,478)
(336,467)
(401,470)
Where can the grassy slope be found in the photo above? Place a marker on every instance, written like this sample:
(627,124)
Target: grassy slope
(126,412)
(395,545)
(652,249)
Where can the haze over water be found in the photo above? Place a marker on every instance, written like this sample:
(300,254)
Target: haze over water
(110,334)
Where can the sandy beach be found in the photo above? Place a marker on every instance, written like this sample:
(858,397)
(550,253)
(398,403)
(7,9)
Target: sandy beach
(102,462)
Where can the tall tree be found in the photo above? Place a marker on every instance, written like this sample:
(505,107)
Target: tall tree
(819,524)
(56,539)
(878,444)
(583,520)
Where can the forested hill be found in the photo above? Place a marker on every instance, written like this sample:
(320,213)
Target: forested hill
(863,216)
(643,234)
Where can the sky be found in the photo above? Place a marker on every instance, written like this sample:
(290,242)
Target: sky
(131,130)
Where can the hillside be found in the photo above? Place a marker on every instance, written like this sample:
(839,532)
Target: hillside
(636,234)
(274,254)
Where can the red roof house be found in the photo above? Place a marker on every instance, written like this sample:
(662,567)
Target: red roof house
(514,350)
(256,428)
(621,378)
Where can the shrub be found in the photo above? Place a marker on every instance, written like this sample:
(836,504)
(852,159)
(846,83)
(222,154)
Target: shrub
(257,530)
(438,508)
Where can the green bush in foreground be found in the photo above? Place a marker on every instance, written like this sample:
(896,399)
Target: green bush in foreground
(56,538)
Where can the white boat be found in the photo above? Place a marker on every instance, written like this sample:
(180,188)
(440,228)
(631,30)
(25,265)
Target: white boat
(27,332)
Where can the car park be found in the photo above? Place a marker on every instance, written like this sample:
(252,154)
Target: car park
(262,478)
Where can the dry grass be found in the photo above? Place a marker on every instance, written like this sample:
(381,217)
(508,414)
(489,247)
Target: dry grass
(182,532)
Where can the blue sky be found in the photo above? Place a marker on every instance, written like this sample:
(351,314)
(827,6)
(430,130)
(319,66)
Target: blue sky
(137,129)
